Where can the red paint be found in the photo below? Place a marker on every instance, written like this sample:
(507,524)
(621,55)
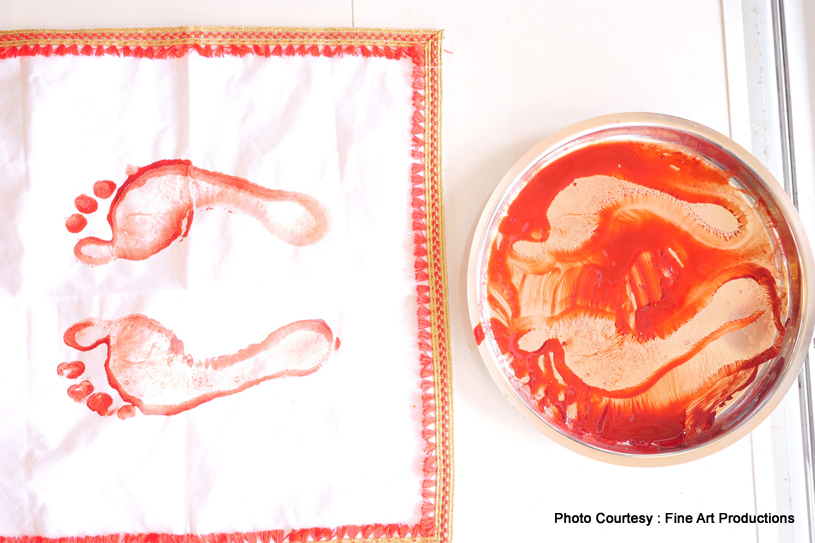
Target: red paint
(337,343)
(104,189)
(100,403)
(80,391)
(622,271)
(126,412)
(85,204)
(478,332)
(76,223)
(71,370)
(149,368)
(174,189)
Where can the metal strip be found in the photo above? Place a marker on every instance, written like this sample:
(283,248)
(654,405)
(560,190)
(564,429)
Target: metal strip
(791,186)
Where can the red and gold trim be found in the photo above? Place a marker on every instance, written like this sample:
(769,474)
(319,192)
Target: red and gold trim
(213,41)
(424,49)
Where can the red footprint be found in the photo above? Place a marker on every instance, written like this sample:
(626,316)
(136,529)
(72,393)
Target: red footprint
(149,368)
(146,363)
(155,206)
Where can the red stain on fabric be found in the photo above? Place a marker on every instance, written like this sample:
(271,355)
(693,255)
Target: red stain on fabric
(80,391)
(71,370)
(76,223)
(126,412)
(85,204)
(104,189)
(100,403)
(175,189)
(148,366)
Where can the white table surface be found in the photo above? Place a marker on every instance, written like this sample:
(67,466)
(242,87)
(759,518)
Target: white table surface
(518,71)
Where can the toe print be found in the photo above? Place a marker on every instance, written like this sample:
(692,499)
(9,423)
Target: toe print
(156,204)
(80,391)
(149,368)
(86,204)
(76,223)
(84,392)
(71,370)
(104,189)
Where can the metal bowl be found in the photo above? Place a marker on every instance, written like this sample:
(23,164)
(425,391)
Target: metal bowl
(775,376)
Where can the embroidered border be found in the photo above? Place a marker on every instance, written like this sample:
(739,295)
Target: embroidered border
(424,48)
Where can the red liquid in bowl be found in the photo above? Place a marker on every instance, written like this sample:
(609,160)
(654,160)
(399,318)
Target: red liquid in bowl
(635,292)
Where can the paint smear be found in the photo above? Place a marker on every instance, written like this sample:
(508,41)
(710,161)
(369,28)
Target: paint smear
(635,292)
(478,332)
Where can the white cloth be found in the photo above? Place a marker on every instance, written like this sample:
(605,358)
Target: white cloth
(340,446)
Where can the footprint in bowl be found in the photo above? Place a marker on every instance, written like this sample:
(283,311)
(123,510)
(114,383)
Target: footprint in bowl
(634,292)
(146,364)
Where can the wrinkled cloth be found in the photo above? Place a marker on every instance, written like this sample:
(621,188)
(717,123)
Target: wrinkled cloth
(339,446)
